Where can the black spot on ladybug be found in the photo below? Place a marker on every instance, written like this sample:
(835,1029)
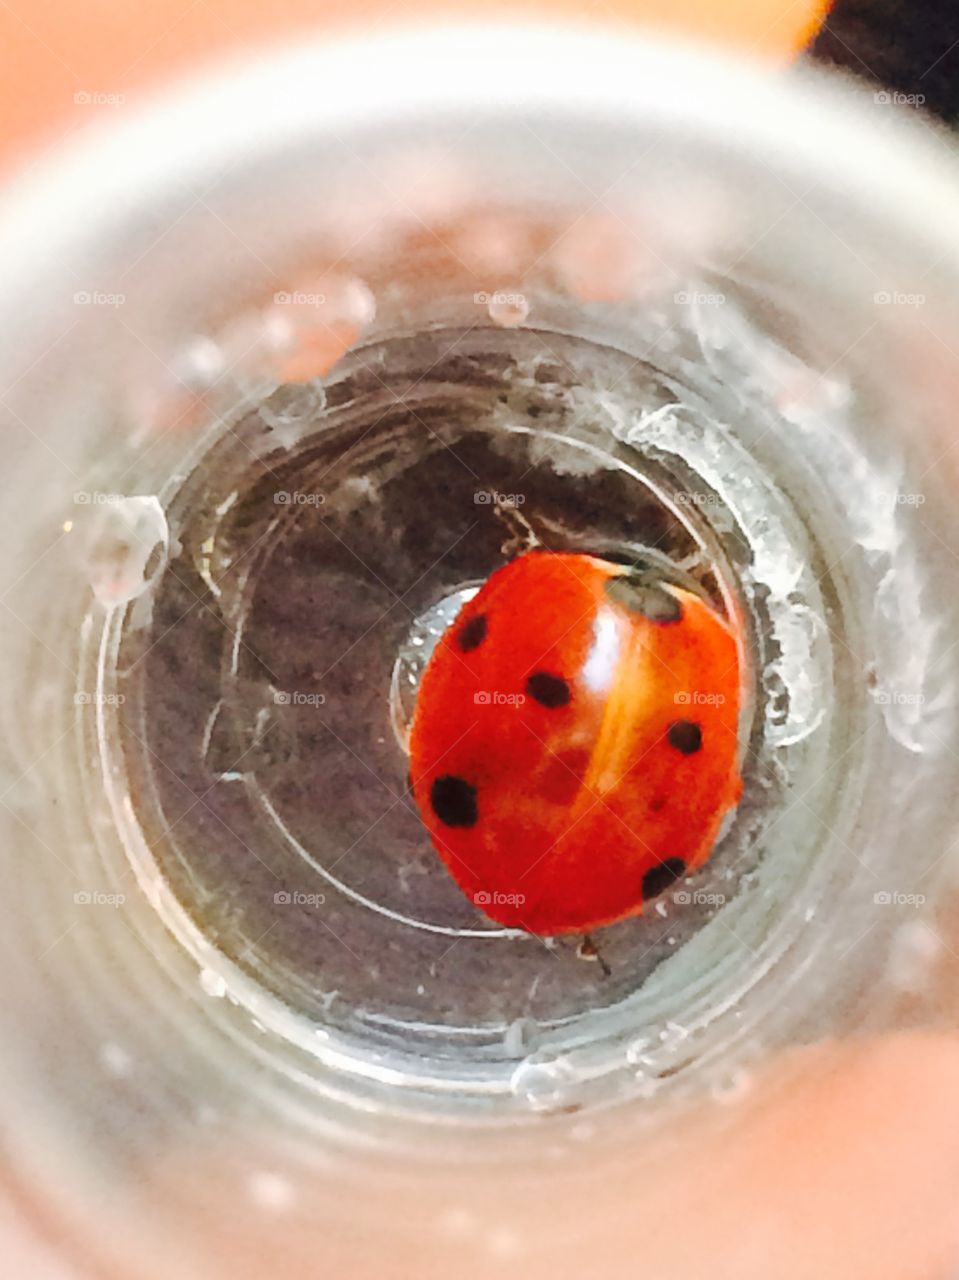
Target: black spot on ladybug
(548,691)
(472,633)
(639,593)
(454,801)
(657,879)
(685,736)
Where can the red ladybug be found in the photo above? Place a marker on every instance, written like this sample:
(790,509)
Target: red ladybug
(574,744)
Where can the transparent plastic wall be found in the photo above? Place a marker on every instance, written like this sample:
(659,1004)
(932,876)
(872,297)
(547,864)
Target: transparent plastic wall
(291,363)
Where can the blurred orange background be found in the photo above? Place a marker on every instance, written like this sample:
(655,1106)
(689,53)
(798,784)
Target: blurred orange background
(56,50)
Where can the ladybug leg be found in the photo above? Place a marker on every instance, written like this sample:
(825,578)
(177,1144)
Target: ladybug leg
(588,950)
(688,573)
(522,536)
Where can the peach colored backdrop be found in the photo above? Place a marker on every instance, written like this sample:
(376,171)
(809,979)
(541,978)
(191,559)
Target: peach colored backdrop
(52,50)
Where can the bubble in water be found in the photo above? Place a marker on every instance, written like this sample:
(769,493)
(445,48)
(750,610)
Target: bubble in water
(543,1081)
(126,543)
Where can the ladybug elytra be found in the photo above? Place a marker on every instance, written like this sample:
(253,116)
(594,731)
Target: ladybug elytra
(574,745)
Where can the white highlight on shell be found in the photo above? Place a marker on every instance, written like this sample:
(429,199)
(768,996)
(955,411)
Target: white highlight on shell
(603,655)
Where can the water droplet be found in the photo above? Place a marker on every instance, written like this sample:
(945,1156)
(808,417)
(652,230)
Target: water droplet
(637,1051)
(213,984)
(125,545)
(353,302)
(543,1081)
(200,363)
(508,310)
(291,411)
(731,1087)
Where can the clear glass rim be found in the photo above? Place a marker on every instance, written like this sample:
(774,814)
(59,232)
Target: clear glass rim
(211,120)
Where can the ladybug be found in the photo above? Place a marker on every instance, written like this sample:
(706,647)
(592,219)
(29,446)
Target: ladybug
(574,743)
